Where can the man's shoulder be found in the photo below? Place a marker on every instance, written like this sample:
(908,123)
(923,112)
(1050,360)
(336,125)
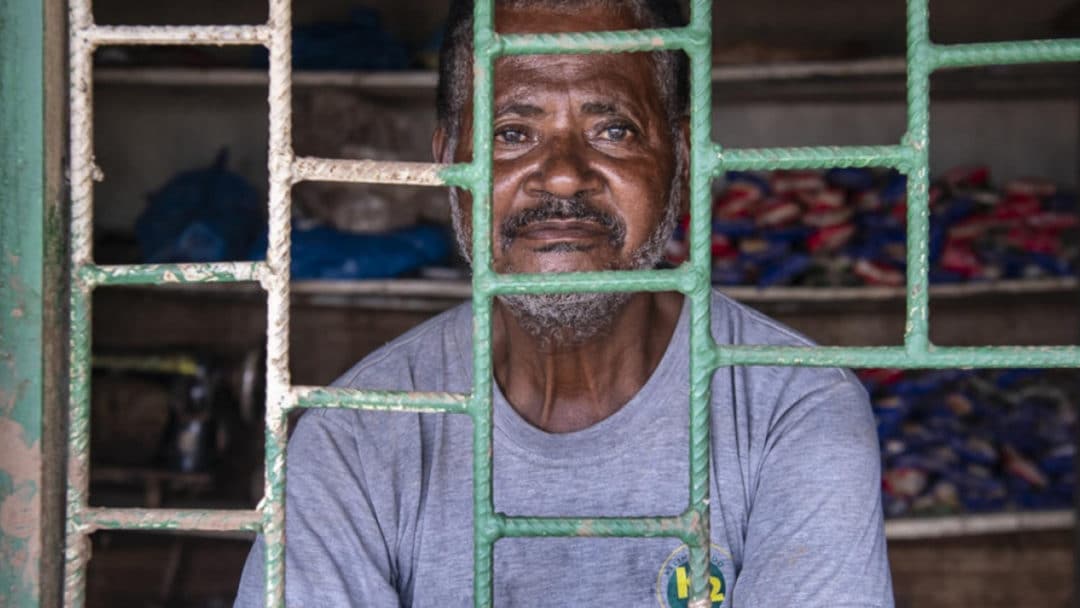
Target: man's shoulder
(737,323)
(734,323)
(422,358)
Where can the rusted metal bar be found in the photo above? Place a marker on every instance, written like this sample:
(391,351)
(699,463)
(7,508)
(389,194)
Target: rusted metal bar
(97,518)
(98,35)
(367,171)
(281,159)
(163,274)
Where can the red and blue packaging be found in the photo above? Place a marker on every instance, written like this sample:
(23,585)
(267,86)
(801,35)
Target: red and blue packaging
(846,227)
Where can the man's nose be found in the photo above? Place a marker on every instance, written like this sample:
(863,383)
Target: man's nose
(565,170)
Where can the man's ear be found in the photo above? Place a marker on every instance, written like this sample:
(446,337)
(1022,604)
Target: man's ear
(439,150)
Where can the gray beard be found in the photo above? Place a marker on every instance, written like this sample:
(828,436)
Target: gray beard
(566,319)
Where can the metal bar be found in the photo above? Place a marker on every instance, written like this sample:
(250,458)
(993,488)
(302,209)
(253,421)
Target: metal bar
(367,171)
(22,348)
(627,41)
(899,357)
(219,35)
(480,177)
(1004,53)
(280,159)
(703,160)
(751,159)
(77,549)
(387,401)
(596,527)
(206,520)
(917,138)
(82,170)
(158,274)
(680,279)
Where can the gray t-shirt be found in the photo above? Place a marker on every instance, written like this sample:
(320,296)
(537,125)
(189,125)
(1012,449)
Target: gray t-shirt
(379,509)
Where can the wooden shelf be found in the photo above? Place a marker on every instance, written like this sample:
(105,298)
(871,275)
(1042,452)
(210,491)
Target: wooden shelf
(868,78)
(978,524)
(421,81)
(461,290)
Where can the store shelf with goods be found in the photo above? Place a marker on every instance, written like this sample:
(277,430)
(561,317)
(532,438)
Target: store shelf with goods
(847,79)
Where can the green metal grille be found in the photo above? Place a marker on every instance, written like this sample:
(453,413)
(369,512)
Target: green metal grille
(708,160)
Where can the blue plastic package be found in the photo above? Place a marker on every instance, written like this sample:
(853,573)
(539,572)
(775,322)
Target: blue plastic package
(323,252)
(895,189)
(745,176)
(785,269)
(850,178)
(733,228)
(205,215)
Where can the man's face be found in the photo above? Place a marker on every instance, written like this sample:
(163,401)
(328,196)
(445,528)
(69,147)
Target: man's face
(583,154)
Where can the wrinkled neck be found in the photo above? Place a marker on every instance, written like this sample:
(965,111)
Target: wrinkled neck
(562,385)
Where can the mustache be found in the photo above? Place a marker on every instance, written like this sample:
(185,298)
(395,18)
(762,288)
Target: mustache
(551,207)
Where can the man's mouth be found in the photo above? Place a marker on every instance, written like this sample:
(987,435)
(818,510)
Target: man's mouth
(563,230)
(562,225)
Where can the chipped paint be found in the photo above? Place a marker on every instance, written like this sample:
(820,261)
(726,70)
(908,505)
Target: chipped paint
(21,254)
(20,512)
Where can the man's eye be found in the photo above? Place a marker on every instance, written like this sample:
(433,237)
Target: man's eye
(510,135)
(617,132)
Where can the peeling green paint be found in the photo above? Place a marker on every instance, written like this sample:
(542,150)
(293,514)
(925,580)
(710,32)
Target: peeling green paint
(21,254)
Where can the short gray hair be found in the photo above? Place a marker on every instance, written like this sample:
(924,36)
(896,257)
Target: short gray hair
(455,60)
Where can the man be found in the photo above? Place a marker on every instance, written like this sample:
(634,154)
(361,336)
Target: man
(591,396)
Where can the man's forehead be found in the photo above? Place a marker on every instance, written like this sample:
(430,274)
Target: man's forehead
(612,80)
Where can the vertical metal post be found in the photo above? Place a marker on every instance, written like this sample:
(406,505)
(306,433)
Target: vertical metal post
(22,251)
(276,282)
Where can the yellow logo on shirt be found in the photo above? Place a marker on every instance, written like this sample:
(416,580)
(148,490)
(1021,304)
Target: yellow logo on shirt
(673,580)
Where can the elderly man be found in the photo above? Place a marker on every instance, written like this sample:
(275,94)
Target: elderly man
(591,392)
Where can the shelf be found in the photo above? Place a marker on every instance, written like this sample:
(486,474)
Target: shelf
(249,77)
(432,295)
(977,525)
(427,79)
(881,77)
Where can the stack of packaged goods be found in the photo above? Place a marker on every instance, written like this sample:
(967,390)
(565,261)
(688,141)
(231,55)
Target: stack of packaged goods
(846,227)
(974,441)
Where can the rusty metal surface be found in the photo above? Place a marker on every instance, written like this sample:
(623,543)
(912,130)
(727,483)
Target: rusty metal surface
(367,171)
(97,35)
(97,518)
